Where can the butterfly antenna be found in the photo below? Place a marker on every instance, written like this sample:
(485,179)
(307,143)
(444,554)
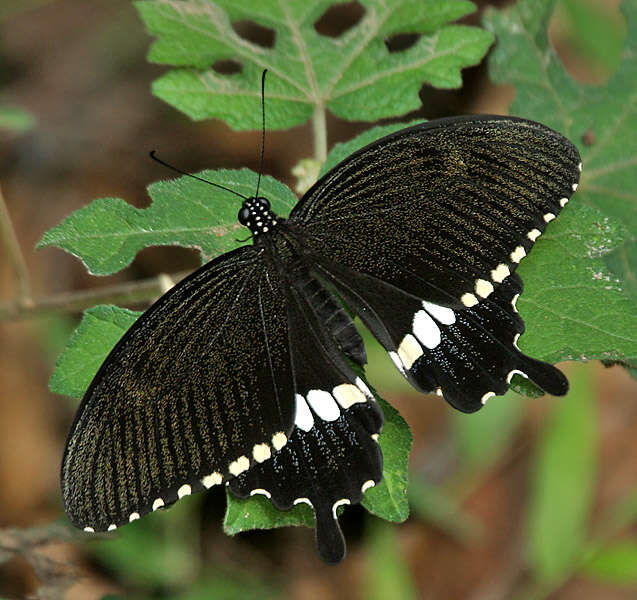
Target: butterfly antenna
(165,164)
(262,129)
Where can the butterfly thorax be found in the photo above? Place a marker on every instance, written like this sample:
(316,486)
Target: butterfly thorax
(255,214)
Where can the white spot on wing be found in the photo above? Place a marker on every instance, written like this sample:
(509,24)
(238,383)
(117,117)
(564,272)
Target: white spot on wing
(368,484)
(213,479)
(574,187)
(240,465)
(112,527)
(442,314)
(515,372)
(133,517)
(409,351)
(158,503)
(347,394)
(360,384)
(184,490)
(534,233)
(468,300)
(303,418)
(374,436)
(89,530)
(563,202)
(323,404)
(302,501)
(261,492)
(500,273)
(518,254)
(338,503)
(279,440)
(548,217)
(516,337)
(396,360)
(483,287)
(426,329)
(261,452)
(579,167)
(514,302)
(486,396)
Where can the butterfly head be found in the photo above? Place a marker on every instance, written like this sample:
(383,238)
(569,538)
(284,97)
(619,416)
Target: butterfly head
(255,214)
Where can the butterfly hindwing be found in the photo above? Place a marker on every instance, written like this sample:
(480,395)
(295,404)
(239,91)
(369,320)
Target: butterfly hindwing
(198,390)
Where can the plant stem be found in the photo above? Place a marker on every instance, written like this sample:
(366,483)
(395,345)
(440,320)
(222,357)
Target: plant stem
(74,302)
(16,258)
(319,131)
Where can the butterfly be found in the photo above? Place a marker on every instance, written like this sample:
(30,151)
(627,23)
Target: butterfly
(246,372)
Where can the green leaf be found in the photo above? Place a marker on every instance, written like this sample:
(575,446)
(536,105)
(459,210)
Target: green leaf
(100,329)
(354,75)
(389,498)
(257,512)
(563,483)
(601,120)
(387,574)
(615,564)
(108,233)
(16,119)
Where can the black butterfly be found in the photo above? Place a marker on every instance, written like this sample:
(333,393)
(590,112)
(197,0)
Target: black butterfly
(242,373)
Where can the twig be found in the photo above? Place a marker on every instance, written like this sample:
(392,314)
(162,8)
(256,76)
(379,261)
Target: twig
(16,259)
(74,302)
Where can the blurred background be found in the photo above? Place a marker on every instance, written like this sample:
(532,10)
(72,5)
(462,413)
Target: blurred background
(76,123)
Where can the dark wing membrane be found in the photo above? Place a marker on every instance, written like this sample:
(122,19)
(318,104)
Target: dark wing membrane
(332,456)
(197,391)
(458,201)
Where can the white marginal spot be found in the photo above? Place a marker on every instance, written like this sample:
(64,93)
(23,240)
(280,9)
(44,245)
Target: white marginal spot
(574,187)
(515,372)
(396,360)
(374,436)
(347,394)
(279,440)
(563,202)
(468,300)
(112,527)
(548,217)
(438,391)
(514,301)
(261,452)
(184,490)
(323,404)
(360,384)
(302,501)
(534,233)
(426,329)
(370,483)
(213,479)
(442,314)
(133,517)
(409,351)
(483,287)
(486,396)
(89,530)
(516,337)
(158,503)
(338,503)
(303,418)
(240,465)
(579,167)
(518,254)
(500,273)
(261,492)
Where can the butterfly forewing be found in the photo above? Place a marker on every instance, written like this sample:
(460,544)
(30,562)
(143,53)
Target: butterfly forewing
(459,202)
(198,390)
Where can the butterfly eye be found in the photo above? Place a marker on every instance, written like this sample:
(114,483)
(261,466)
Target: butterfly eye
(264,202)
(244,215)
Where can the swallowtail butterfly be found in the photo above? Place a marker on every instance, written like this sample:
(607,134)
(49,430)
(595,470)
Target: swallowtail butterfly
(242,373)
